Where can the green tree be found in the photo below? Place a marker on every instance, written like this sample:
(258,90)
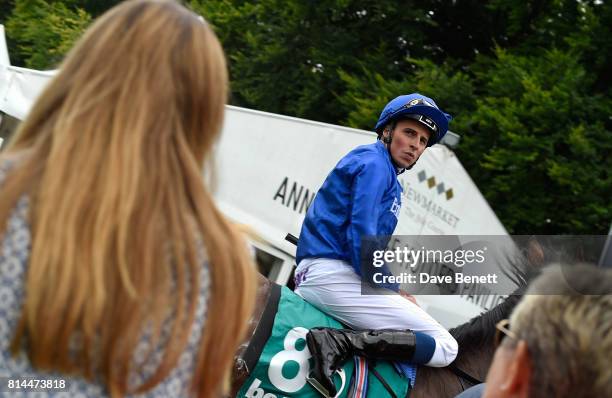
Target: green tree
(540,145)
(5,9)
(535,138)
(45,31)
(527,81)
(286,56)
(367,96)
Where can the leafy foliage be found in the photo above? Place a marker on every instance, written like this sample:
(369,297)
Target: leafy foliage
(546,152)
(527,81)
(286,56)
(45,31)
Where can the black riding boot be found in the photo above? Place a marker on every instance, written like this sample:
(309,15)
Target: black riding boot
(330,348)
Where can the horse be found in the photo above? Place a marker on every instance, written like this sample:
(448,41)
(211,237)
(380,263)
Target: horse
(475,339)
(476,348)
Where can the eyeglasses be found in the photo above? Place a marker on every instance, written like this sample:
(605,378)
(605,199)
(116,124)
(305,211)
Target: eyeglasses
(502,330)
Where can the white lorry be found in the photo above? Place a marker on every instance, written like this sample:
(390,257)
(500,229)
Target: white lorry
(270,166)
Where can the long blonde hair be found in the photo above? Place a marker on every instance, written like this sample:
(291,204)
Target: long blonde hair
(111,157)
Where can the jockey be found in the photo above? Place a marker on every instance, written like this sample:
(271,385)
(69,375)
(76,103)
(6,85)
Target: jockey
(362,197)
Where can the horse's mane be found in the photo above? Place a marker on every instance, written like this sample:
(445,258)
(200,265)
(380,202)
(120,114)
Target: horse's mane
(478,332)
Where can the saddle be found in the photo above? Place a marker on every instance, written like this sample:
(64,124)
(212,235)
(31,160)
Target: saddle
(278,361)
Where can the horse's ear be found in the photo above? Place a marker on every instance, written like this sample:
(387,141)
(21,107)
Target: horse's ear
(535,253)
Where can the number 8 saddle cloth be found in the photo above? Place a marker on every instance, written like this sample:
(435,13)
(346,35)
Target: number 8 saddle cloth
(281,366)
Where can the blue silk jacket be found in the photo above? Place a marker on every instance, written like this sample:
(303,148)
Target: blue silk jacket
(360,197)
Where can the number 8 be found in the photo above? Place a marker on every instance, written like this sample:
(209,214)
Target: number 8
(290,353)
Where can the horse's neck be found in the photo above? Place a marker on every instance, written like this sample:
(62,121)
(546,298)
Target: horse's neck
(476,363)
(442,382)
(475,340)
(435,382)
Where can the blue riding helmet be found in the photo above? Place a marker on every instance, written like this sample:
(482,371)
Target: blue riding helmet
(420,108)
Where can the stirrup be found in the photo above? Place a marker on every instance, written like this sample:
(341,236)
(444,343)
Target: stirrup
(318,386)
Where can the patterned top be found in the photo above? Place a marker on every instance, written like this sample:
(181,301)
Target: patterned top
(14,255)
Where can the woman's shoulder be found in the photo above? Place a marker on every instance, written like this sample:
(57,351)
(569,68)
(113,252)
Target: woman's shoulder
(18,219)
(10,160)
(5,167)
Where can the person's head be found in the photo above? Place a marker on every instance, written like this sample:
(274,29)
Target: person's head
(112,156)
(558,341)
(408,125)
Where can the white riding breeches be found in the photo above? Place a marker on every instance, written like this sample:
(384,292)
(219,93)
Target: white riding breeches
(333,287)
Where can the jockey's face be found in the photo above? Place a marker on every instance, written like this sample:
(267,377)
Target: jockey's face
(409,140)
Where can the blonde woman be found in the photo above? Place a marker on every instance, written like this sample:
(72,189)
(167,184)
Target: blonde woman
(118,275)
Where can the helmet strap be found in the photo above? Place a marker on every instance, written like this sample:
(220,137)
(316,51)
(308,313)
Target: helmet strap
(387,141)
(388,138)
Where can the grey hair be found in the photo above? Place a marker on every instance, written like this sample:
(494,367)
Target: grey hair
(566,321)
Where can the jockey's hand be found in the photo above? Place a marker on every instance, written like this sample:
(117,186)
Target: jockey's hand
(407,296)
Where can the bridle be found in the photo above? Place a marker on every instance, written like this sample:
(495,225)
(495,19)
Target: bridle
(463,376)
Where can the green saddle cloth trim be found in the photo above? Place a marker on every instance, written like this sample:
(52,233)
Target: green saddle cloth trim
(285,360)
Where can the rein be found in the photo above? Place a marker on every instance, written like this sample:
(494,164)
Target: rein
(461,375)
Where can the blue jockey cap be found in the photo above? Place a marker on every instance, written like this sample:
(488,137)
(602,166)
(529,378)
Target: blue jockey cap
(420,108)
